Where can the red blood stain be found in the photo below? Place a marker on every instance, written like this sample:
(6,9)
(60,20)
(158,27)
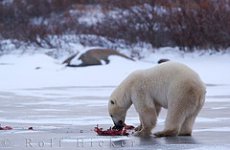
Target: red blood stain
(113,131)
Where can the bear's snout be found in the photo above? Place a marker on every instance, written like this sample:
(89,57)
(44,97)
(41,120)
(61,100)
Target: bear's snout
(118,125)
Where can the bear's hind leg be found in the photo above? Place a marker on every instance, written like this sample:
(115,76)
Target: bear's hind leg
(174,121)
(186,129)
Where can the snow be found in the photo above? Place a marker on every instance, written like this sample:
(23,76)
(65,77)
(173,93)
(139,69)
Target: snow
(43,76)
(39,70)
(37,74)
(92,16)
(49,96)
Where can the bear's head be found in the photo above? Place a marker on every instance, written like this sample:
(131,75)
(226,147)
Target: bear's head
(117,113)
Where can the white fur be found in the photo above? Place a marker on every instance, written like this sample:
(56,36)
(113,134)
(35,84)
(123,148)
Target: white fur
(170,85)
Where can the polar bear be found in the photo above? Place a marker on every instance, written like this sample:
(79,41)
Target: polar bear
(170,85)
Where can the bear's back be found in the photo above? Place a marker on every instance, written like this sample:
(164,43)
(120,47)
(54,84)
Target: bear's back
(171,70)
(168,77)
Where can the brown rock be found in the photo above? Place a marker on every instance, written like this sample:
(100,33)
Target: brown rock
(94,57)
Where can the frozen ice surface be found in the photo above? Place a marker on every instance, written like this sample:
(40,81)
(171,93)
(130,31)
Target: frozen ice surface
(63,105)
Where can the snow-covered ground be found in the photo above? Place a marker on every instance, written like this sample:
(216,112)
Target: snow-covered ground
(40,70)
(38,90)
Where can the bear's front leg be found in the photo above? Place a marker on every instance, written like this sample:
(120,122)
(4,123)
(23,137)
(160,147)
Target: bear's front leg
(148,119)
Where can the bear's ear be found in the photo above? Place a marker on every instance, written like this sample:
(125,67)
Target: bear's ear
(112,102)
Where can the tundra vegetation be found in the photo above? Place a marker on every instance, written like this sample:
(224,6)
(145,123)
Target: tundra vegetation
(189,25)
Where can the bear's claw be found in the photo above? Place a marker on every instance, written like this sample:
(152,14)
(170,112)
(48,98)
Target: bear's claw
(138,128)
(142,133)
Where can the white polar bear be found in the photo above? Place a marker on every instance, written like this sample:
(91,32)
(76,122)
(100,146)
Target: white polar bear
(170,85)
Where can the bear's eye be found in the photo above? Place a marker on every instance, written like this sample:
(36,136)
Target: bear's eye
(112,102)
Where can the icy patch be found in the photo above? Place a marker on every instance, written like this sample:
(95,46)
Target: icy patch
(96,139)
(68,102)
(161,121)
(67,92)
(50,110)
(218,90)
(25,131)
(202,119)
(198,119)
(222,100)
(47,127)
(222,129)
(218,108)
(5,96)
(212,147)
(92,120)
(19,131)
